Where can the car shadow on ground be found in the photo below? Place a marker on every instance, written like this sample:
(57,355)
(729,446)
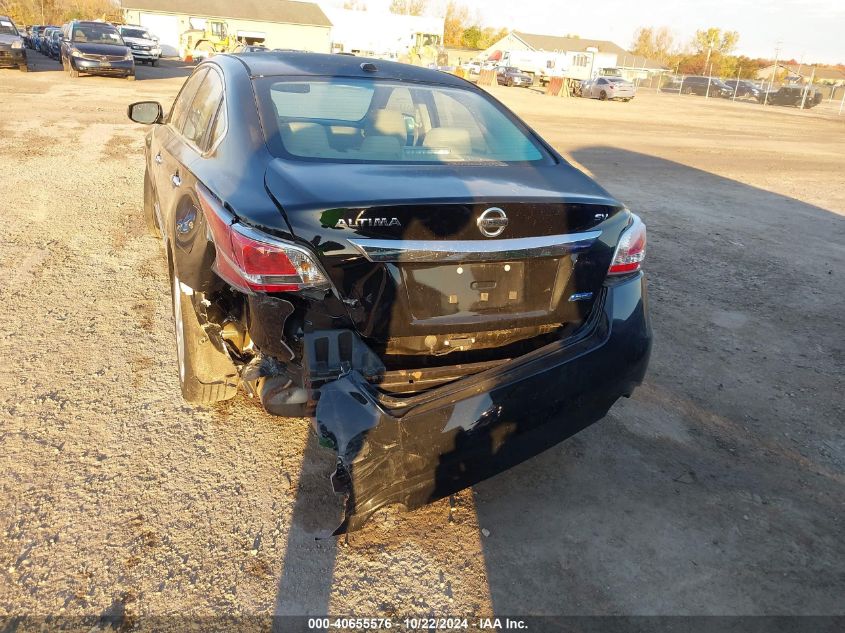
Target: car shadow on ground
(693,497)
(690,498)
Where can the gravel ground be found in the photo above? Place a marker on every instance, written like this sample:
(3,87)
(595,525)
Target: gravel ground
(717,489)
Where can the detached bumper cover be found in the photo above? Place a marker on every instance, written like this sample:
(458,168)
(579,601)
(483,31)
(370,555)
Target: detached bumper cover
(457,435)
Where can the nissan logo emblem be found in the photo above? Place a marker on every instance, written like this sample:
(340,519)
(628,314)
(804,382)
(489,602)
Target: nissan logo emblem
(492,222)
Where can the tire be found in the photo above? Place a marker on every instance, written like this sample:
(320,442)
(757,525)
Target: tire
(130,77)
(71,71)
(155,62)
(509,83)
(603,96)
(149,207)
(688,90)
(206,374)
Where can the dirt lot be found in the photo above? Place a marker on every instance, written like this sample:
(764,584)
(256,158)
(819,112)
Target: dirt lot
(717,489)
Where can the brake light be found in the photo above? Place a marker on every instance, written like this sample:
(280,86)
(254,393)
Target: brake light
(630,251)
(249,259)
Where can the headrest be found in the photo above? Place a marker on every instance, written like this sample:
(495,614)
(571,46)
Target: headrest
(388,123)
(455,139)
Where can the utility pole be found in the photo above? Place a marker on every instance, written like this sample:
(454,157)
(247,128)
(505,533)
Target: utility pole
(807,88)
(736,86)
(710,46)
(774,72)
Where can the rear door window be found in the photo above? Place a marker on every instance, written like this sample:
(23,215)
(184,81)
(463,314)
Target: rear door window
(176,118)
(203,107)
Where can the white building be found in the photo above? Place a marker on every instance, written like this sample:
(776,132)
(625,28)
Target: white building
(574,57)
(381,32)
(283,23)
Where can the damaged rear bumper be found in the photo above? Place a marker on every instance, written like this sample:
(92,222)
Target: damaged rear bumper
(414,451)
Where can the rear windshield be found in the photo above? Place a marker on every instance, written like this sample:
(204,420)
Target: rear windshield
(96,34)
(370,120)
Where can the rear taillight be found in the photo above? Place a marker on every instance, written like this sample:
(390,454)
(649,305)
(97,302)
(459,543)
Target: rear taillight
(630,251)
(249,259)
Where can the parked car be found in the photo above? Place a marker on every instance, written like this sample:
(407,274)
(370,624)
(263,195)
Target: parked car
(26,34)
(33,36)
(54,46)
(510,76)
(701,86)
(608,88)
(250,48)
(45,39)
(472,68)
(96,48)
(743,88)
(12,50)
(144,45)
(41,38)
(793,95)
(391,251)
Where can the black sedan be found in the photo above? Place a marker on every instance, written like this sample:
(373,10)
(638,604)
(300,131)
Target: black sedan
(54,46)
(743,89)
(96,48)
(391,251)
(511,76)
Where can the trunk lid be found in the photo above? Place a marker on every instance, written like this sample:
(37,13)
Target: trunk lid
(437,259)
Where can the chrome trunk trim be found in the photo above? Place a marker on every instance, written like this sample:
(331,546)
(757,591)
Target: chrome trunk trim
(431,251)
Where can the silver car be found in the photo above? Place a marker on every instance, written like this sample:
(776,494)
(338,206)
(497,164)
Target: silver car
(145,47)
(605,88)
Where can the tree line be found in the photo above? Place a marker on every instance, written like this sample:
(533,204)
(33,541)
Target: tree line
(710,51)
(28,12)
(462,28)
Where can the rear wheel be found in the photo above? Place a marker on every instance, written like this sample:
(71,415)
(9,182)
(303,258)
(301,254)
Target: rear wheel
(206,375)
(603,95)
(130,77)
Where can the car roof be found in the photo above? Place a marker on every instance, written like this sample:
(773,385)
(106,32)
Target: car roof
(91,23)
(281,63)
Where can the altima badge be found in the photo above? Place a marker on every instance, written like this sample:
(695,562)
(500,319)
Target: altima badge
(357,223)
(492,222)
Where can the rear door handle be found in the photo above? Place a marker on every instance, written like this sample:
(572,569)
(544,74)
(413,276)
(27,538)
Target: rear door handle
(176,180)
(158,159)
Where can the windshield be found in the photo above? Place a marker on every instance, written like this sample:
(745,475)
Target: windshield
(7,28)
(367,120)
(96,34)
(139,33)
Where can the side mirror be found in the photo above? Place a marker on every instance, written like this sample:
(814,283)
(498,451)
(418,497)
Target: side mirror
(146,112)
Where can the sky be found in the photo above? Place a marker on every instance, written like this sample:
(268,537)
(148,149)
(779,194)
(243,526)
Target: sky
(808,30)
